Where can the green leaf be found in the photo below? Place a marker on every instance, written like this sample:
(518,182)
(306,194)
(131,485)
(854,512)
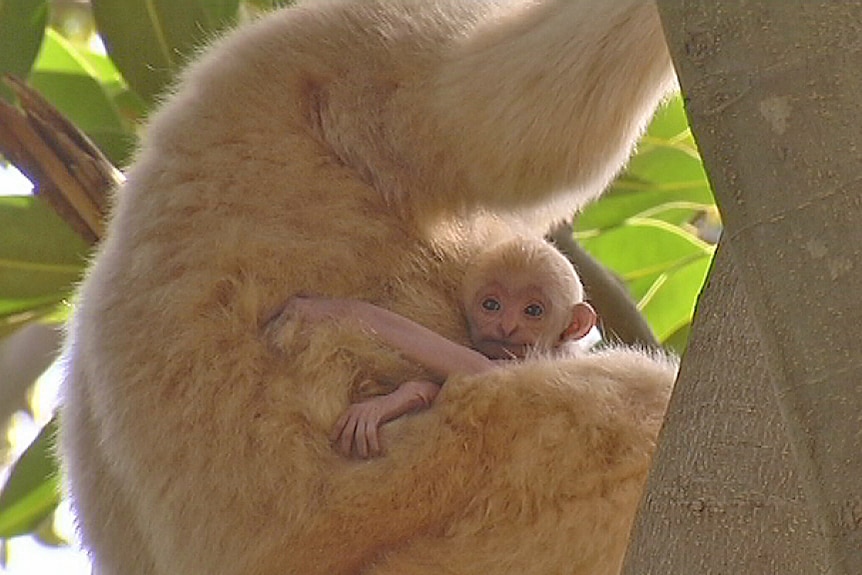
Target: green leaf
(32,491)
(619,205)
(644,247)
(41,258)
(268,4)
(84,86)
(666,171)
(669,121)
(665,164)
(642,229)
(46,533)
(663,266)
(150,40)
(51,314)
(17,306)
(220,13)
(22,24)
(678,340)
(669,305)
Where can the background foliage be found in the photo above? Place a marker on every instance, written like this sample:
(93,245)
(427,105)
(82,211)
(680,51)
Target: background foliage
(655,229)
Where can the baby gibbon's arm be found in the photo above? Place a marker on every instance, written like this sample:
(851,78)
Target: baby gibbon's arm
(441,356)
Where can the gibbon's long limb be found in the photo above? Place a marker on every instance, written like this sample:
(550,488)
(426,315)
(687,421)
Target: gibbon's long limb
(344,148)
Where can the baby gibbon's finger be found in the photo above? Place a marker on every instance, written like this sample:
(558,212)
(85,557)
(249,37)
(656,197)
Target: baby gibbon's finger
(372,437)
(345,442)
(338,428)
(362,438)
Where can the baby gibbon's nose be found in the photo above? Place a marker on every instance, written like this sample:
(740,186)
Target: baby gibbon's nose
(508,324)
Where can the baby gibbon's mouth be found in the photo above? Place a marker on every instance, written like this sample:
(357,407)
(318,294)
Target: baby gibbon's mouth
(496,349)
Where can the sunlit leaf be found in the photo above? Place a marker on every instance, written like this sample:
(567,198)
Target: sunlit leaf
(32,491)
(649,200)
(41,259)
(663,266)
(643,228)
(641,285)
(11,323)
(670,305)
(670,122)
(644,247)
(16,306)
(664,164)
(83,86)
(678,340)
(150,40)
(22,24)
(666,171)
(220,12)
(269,4)
(46,533)
(667,152)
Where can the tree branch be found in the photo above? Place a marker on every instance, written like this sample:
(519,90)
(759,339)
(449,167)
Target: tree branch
(620,318)
(67,169)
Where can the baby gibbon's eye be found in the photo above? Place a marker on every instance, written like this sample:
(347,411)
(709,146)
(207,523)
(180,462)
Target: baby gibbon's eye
(534,310)
(491,304)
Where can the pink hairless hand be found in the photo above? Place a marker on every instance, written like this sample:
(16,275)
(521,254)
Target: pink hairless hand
(356,432)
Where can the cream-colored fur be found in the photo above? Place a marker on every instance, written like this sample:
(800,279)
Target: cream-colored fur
(336,148)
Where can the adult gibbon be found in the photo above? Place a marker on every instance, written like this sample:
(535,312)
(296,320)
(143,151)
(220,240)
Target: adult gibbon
(345,148)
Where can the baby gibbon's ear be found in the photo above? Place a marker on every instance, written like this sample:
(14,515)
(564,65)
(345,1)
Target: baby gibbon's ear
(583,320)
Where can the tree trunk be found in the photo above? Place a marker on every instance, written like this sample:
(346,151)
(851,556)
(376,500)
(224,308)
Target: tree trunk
(772,92)
(723,497)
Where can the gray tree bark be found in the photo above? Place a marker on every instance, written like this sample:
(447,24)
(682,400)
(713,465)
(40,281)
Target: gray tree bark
(773,95)
(723,496)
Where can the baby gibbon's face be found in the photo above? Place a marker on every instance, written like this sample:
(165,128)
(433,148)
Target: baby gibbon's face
(505,322)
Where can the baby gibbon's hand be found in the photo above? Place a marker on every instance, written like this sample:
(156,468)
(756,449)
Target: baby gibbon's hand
(356,431)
